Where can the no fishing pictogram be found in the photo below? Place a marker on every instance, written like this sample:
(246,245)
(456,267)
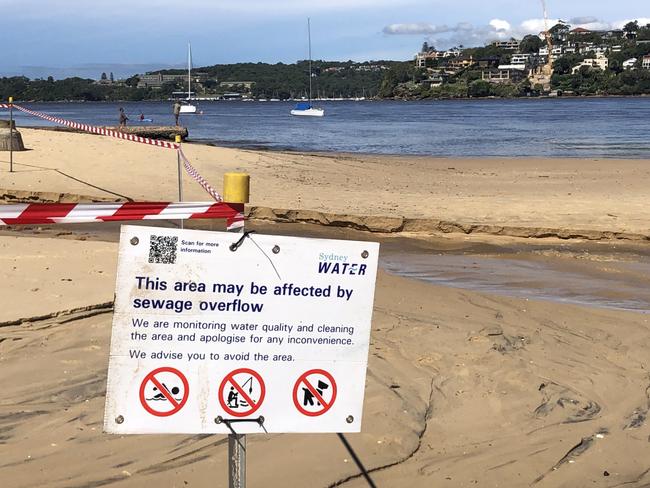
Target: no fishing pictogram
(164,391)
(242,392)
(314,393)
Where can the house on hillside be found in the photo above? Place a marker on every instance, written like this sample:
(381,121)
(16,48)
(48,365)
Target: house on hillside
(646,62)
(521,59)
(488,62)
(599,62)
(509,45)
(580,31)
(505,73)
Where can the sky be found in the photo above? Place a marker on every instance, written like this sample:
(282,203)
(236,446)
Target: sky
(80,37)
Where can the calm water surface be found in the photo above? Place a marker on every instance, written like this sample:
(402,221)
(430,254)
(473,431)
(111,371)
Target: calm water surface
(585,128)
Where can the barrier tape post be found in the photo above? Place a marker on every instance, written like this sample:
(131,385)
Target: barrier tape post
(236,190)
(180,174)
(11,134)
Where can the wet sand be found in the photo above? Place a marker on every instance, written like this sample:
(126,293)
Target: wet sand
(464,388)
(531,193)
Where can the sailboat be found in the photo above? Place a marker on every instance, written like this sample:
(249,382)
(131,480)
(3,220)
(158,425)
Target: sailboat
(187,107)
(306,108)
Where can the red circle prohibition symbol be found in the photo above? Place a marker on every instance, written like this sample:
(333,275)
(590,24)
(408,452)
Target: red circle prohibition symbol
(325,405)
(177,405)
(254,405)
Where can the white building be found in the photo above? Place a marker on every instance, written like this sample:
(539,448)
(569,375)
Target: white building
(646,62)
(629,63)
(599,62)
(520,59)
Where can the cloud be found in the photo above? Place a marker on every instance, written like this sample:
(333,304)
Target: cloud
(467,34)
(642,21)
(587,19)
(500,25)
(418,28)
(429,29)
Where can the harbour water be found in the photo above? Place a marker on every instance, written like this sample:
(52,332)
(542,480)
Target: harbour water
(563,127)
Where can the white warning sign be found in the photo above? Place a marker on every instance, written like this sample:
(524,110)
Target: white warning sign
(270,332)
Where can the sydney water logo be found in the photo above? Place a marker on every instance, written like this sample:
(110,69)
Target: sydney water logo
(330,263)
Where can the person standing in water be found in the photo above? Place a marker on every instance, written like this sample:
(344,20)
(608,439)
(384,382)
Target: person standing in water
(123,118)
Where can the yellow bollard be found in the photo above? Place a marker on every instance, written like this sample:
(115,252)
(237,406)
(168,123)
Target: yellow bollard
(236,187)
(178,139)
(11,100)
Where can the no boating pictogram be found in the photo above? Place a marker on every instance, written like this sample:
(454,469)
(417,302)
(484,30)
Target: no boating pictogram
(241,392)
(164,391)
(314,393)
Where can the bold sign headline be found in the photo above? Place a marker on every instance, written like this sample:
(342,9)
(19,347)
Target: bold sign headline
(232,292)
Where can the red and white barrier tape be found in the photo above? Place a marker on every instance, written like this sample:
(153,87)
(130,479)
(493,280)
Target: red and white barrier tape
(197,177)
(99,130)
(129,137)
(68,213)
(4,105)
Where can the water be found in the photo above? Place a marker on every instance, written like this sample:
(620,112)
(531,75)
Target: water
(581,128)
(545,280)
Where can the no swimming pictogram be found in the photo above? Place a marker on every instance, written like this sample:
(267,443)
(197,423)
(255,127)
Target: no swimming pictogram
(164,391)
(242,392)
(314,393)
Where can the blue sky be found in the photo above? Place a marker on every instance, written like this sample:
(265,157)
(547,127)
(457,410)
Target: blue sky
(65,37)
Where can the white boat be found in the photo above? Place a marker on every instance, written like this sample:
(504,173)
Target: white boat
(187,107)
(305,108)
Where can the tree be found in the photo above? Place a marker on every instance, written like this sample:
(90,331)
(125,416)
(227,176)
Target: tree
(104,77)
(478,88)
(530,44)
(631,26)
(132,81)
(111,77)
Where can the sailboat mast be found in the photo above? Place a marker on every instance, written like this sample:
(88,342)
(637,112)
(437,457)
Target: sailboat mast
(309,35)
(189,71)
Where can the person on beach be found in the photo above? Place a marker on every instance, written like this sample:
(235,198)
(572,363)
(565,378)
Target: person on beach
(141,117)
(177,110)
(123,118)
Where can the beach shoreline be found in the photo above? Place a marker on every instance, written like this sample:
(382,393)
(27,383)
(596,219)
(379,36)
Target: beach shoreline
(525,197)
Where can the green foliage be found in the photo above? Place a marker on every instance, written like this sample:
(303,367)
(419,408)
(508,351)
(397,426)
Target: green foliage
(398,73)
(21,88)
(489,52)
(530,44)
(449,90)
(565,64)
(479,88)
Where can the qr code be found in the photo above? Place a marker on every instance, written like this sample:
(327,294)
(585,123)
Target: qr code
(162,249)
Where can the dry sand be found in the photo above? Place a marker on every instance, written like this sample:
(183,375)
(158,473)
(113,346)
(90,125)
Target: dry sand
(463,388)
(605,195)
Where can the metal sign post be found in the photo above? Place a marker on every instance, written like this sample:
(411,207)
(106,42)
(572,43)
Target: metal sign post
(180,174)
(237,461)
(236,187)
(11,134)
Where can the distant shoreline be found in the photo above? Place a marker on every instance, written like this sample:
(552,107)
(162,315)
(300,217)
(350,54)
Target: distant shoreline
(388,99)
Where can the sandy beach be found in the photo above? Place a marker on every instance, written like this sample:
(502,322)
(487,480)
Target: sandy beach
(532,193)
(464,387)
